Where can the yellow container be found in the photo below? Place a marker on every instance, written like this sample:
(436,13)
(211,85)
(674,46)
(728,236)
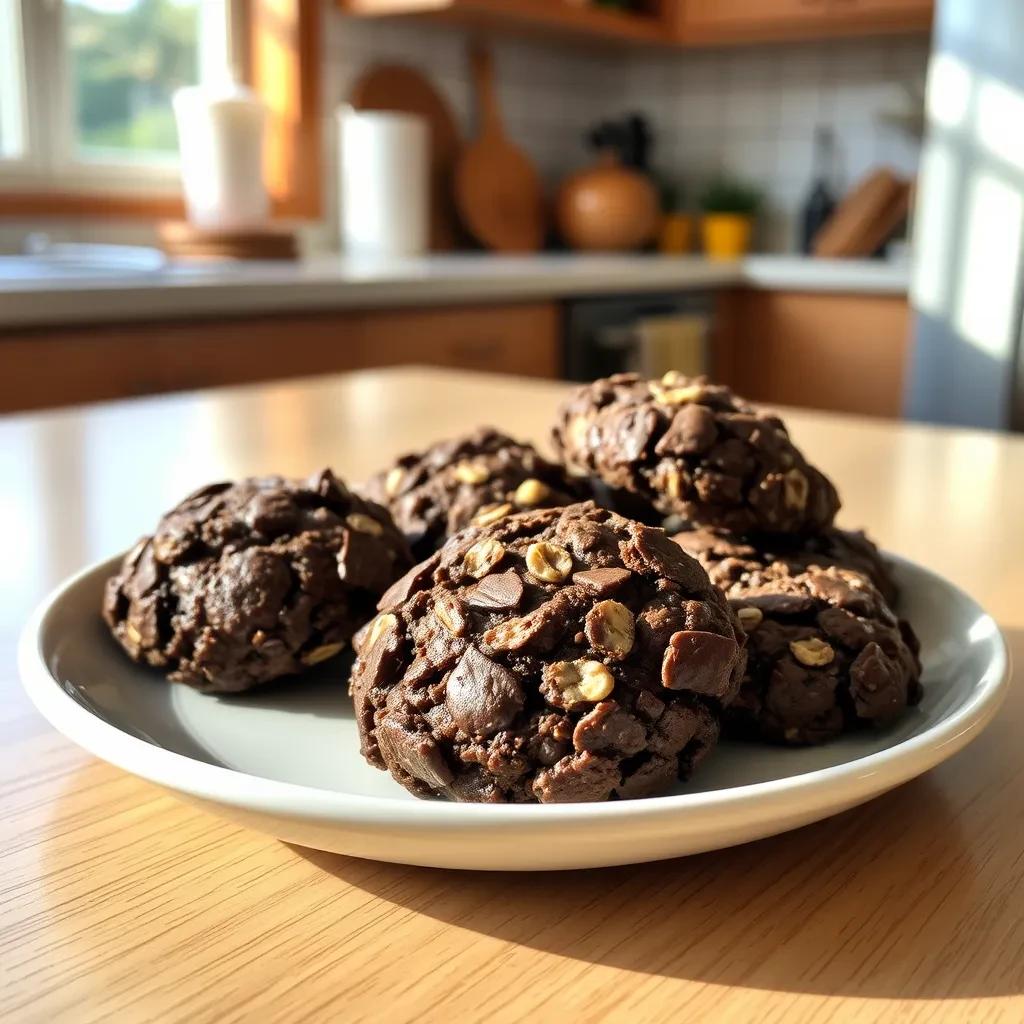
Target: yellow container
(726,235)
(675,234)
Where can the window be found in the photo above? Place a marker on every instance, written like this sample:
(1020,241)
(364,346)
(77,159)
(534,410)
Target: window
(125,60)
(92,81)
(12,100)
(85,127)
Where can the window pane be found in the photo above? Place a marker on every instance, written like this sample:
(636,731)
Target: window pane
(127,59)
(12,142)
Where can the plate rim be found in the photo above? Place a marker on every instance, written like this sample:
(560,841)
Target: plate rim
(831,785)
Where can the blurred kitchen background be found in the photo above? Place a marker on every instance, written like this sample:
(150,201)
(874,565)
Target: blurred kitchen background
(817,201)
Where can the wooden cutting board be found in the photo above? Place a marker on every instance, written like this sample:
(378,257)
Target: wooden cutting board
(497,191)
(184,240)
(866,218)
(404,89)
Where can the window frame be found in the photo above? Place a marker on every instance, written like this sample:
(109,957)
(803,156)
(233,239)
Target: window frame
(279,57)
(11,18)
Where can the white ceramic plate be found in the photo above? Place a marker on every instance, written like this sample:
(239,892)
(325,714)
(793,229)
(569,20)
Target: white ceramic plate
(287,762)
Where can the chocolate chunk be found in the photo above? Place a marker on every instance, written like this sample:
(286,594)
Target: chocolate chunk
(650,550)
(537,631)
(499,590)
(691,431)
(547,700)
(609,728)
(633,431)
(481,695)
(601,581)
(413,752)
(360,564)
(878,685)
(242,584)
(700,663)
(415,579)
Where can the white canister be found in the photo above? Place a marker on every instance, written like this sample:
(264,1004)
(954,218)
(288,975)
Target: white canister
(220,135)
(384,178)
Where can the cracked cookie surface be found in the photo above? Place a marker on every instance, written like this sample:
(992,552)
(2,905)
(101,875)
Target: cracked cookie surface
(559,655)
(244,583)
(728,559)
(825,655)
(693,449)
(435,493)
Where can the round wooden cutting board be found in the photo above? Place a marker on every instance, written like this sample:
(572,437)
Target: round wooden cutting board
(404,89)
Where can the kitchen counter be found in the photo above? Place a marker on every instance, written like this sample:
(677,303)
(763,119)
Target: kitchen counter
(332,282)
(121,903)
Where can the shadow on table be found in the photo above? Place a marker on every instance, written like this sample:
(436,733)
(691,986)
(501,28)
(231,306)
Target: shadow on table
(830,908)
(912,895)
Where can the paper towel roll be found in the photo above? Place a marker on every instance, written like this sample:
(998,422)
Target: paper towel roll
(384,177)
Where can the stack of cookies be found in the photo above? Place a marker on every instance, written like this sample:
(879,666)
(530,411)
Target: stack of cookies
(825,652)
(553,643)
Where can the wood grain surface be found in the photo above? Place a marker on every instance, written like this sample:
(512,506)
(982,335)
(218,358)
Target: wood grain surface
(117,903)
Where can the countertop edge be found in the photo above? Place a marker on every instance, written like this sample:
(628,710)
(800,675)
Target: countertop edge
(331,285)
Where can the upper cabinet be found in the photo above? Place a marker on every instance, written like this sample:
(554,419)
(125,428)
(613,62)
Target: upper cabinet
(648,24)
(669,22)
(697,19)
(698,22)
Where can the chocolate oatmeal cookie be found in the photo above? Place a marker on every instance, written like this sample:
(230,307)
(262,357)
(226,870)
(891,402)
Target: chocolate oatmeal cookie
(435,493)
(243,583)
(559,655)
(729,559)
(825,655)
(694,450)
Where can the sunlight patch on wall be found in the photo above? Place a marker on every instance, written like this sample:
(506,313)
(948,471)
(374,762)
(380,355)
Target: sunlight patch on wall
(999,121)
(990,263)
(935,227)
(949,90)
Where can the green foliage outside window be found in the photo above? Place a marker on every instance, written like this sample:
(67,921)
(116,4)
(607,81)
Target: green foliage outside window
(127,59)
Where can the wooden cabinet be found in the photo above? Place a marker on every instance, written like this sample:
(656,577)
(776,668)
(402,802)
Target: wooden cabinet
(41,368)
(560,18)
(701,22)
(698,19)
(667,22)
(843,353)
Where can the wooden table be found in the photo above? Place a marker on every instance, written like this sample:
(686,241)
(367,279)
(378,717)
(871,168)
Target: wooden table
(120,904)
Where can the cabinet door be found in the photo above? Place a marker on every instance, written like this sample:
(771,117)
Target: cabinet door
(87,364)
(746,20)
(843,353)
(883,14)
(885,7)
(751,21)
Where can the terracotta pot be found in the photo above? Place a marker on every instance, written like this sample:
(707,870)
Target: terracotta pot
(726,235)
(607,207)
(675,234)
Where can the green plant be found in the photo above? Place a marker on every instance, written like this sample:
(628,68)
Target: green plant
(729,195)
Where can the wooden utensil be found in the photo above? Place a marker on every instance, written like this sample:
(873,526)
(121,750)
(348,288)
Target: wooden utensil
(497,191)
(400,88)
(181,239)
(866,218)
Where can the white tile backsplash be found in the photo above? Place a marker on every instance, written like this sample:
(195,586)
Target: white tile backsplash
(749,111)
